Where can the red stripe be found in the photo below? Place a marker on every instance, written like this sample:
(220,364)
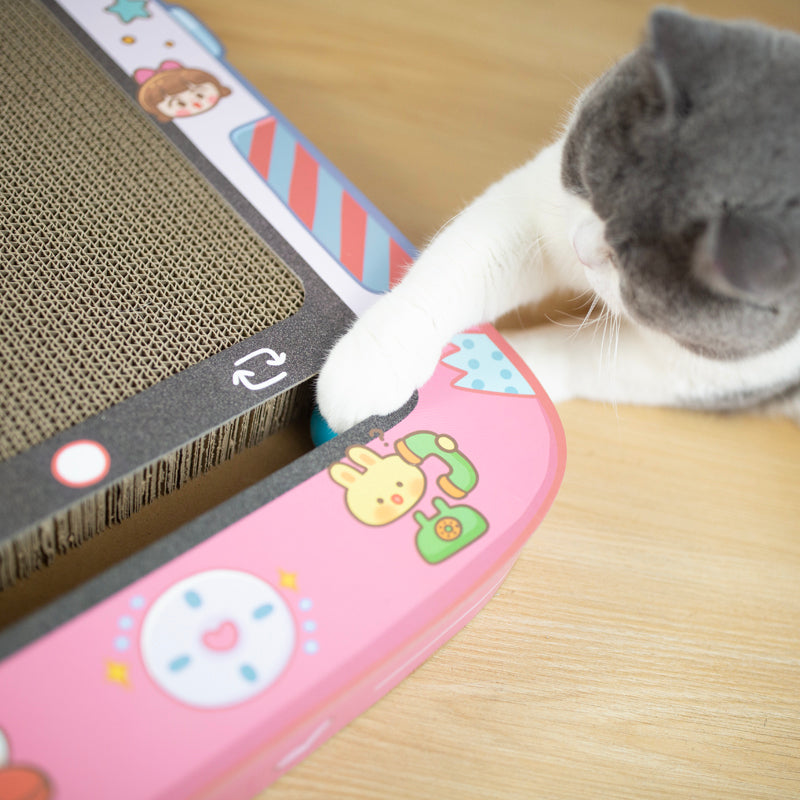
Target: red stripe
(261,146)
(399,261)
(354,231)
(303,190)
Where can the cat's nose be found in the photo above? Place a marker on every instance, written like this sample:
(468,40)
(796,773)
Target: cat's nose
(397,499)
(589,243)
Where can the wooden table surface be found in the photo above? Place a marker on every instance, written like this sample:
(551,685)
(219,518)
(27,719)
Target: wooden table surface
(647,642)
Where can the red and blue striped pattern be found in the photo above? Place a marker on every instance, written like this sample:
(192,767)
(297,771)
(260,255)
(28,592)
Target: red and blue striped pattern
(358,240)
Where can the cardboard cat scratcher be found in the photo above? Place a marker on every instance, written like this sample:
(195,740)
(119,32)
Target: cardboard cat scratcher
(177,261)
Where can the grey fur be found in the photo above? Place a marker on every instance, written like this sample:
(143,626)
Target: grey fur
(689,151)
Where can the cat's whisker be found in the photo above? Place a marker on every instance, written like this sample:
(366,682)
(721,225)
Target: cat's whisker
(569,320)
(603,367)
(575,322)
(618,319)
(574,327)
(589,318)
(604,320)
(610,355)
(582,296)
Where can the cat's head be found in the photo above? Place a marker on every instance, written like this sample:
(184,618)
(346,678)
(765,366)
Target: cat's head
(688,152)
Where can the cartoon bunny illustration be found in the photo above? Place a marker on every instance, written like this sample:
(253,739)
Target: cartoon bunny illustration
(387,488)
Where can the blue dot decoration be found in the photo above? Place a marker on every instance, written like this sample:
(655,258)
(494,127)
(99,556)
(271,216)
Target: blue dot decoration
(487,368)
(193,599)
(263,611)
(179,663)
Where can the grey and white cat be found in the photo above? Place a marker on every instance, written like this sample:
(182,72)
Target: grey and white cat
(673,196)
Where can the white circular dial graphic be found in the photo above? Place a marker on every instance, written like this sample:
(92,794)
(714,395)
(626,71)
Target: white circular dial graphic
(217,638)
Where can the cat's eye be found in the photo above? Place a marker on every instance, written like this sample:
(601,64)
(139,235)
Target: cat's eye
(379,501)
(399,483)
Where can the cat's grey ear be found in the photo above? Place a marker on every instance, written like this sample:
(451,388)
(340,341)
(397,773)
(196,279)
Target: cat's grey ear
(676,43)
(744,258)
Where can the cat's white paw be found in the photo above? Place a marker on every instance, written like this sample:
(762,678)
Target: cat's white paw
(374,369)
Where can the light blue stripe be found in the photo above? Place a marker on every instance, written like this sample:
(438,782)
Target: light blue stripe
(376,257)
(242,138)
(281,163)
(328,214)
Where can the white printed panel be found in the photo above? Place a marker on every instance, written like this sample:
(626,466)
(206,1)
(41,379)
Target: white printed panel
(218,638)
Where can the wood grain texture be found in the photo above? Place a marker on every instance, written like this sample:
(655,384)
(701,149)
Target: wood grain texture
(647,642)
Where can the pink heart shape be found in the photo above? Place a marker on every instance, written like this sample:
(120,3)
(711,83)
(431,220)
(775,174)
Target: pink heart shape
(223,637)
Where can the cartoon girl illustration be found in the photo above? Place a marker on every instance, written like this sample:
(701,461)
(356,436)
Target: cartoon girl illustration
(171,90)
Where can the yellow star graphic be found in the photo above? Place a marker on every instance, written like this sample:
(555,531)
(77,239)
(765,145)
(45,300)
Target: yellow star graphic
(117,672)
(288,579)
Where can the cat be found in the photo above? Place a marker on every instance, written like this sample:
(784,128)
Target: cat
(672,196)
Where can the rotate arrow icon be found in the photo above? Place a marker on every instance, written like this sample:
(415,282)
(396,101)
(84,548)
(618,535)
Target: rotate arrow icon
(273,359)
(241,377)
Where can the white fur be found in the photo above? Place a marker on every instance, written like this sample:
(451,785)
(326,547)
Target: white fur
(517,243)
